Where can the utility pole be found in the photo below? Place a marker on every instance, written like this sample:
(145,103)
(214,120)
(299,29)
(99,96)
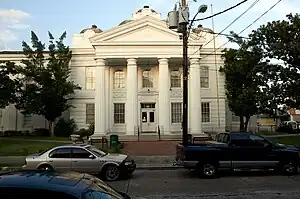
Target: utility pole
(184,8)
(180,20)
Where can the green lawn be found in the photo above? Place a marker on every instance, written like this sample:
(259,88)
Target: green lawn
(39,138)
(267,133)
(289,140)
(22,148)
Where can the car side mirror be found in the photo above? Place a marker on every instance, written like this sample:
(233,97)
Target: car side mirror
(91,157)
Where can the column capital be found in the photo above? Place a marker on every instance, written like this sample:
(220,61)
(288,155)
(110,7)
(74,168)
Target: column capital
(194,61)
(131,61)
(163,60)
(100,62)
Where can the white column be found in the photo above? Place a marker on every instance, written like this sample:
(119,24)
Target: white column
(107,98)
(132,97)
(100,99)
(195,98)
(164,95)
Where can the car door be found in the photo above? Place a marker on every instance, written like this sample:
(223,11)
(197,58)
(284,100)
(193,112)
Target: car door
(60,159)
(84,161)
(262,152)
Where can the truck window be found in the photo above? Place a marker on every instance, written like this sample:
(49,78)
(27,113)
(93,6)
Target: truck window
(225,138)
(259,141)
(221,136)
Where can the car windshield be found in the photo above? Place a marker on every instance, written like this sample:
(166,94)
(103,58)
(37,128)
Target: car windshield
(96,151)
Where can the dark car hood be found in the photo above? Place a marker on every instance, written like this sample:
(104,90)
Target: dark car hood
(289,147)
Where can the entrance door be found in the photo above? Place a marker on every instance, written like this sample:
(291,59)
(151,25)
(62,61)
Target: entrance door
(148,118)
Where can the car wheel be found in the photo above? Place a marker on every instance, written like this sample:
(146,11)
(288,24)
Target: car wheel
(45,167)
(290,167)
(208,170)
(111,173)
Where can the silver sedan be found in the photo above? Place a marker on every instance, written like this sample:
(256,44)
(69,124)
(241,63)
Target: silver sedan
(82,158)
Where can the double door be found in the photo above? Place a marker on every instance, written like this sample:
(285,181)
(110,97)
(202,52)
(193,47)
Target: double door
(148,120)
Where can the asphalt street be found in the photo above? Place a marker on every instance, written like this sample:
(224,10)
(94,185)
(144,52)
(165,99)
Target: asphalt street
(166,184)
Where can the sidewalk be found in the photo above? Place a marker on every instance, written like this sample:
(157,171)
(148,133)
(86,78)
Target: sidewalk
(143,162)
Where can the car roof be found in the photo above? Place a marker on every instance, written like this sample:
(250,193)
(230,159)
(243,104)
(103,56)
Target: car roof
(71,182)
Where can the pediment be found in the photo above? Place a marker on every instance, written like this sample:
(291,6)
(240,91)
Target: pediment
(147,29)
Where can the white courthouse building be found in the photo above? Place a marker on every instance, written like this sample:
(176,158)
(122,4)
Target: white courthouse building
(131,79)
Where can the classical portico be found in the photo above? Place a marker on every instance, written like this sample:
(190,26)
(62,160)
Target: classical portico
(138,78)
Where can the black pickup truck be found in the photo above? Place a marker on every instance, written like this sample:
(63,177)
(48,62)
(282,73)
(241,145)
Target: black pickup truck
(238,151)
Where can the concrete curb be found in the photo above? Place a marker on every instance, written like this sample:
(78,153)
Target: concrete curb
(157,167)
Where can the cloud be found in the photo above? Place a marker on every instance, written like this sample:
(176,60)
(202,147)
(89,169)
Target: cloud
(11,20)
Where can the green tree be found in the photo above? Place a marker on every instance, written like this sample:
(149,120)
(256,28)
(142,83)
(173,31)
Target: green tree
(8,84)
(280,40)
(45,76)
(244,70)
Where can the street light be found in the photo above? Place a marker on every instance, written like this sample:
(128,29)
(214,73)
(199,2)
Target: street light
(179,20)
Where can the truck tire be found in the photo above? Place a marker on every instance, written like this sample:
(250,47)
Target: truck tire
(290,167)
(208,170)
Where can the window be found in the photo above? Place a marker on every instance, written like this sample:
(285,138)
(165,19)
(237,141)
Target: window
(27,120)
(147,81)
(90,113)
(90,78)
(80,153)
(175,79)
(119,79)
(259,141)
(176,112)
(119,113)
(205,108)
(60,153)
(204,76)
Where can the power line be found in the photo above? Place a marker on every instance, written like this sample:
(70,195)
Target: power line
(230,24)
(242,30)
(232,7)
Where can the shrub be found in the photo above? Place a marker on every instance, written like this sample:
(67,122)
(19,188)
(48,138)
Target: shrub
(64,128)
(41,132)
(86,132)
(12,133)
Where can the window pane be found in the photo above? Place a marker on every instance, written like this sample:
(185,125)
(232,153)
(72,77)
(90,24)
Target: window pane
(204,76)
(90,77)
(176,112)
(119,113)
(80,153)
(151,116)
(119,79)
(90,113)
(205,108)
(27,120)
(61,153)
(147,81)
(175,79)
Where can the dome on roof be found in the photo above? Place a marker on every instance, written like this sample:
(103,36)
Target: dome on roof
(146,7)
(124,22)
(94,28)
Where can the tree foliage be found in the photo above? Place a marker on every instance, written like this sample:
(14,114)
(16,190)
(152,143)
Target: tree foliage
(244,70)
(46,87)
(280,40)
(8,84)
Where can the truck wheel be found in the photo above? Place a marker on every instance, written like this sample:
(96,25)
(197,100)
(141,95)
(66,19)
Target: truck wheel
(111,173)
(208,170)
(290,167)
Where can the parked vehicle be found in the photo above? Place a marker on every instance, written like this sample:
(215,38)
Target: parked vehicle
(289,127)
(49,184)
(238,151)
(82,158)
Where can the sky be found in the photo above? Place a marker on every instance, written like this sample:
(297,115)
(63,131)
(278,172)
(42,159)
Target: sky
(19,17)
